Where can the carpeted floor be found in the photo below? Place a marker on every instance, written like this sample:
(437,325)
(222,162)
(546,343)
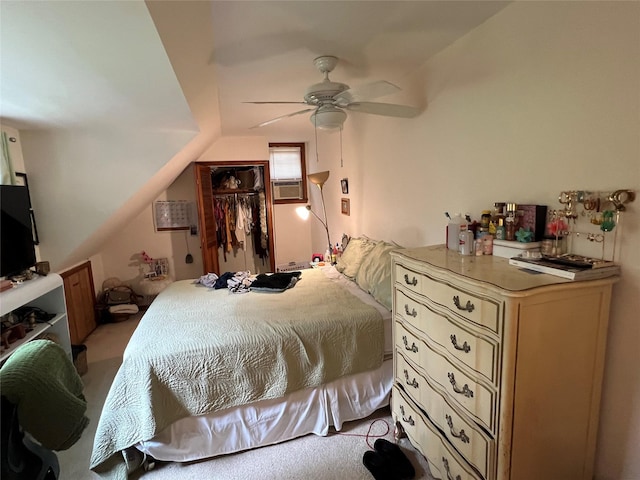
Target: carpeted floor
(336,456)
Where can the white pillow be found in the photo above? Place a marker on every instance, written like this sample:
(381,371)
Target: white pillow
(350,260)
(374,275)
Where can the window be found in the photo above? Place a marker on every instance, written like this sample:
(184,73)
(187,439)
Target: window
(287,169)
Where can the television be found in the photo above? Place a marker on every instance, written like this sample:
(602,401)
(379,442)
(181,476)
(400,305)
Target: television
(17,249)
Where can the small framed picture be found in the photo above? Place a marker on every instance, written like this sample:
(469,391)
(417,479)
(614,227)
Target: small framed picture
(345,206)
(344,183)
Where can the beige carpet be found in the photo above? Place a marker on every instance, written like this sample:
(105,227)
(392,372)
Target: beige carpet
(337,456)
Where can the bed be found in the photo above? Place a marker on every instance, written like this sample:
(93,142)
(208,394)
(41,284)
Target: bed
(208,372)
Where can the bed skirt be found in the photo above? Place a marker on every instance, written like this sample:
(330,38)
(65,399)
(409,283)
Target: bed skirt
(267,422)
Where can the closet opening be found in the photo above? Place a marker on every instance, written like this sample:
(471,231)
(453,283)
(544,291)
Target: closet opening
(237,217)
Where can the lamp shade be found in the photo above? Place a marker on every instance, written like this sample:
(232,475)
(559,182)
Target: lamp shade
(328,117)
(318,178)
(303,212)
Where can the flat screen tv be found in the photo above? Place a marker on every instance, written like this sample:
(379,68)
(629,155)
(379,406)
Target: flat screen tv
(17,250)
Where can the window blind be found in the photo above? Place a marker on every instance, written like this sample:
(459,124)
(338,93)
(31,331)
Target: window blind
(284,163)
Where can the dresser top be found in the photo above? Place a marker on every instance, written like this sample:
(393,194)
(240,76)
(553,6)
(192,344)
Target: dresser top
(486,268)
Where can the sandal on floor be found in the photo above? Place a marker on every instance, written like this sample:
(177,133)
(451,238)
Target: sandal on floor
(395,457)
(379,466)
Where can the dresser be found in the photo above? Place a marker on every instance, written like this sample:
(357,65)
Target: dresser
(498,371)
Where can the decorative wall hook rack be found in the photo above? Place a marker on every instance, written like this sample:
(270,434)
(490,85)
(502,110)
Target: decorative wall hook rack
(604,212)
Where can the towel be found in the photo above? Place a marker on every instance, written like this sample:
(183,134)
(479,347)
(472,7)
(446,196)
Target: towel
(41,380)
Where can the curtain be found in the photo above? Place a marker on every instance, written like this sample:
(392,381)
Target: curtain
(6,167)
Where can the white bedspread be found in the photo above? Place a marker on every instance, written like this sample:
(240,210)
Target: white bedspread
(191,354)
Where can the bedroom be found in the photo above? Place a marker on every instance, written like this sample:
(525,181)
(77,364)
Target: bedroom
(540,98)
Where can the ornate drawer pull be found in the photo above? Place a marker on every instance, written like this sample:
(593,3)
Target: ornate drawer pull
(468,307)
(413,282)
(409,420)
(465,346)
(446,466)
(411,313)
(466,391)
(412,383)
(413,348)
(462,436)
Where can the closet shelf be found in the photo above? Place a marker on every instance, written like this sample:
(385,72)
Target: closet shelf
(229,191)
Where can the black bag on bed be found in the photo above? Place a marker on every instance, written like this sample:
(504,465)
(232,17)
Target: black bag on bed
(275,282)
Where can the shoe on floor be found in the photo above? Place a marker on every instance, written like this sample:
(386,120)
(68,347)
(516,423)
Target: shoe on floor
(379,466)
(395,457)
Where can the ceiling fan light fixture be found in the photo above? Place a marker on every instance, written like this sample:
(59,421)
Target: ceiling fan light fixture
(328,117)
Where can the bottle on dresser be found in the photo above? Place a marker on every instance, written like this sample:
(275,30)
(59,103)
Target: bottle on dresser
(511,222)
(453,232)
(466,241)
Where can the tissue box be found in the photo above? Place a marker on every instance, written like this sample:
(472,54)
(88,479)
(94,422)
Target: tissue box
(509,248)
(533,217)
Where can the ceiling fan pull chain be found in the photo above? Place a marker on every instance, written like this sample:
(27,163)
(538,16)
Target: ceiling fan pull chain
(341,160)
(315,129)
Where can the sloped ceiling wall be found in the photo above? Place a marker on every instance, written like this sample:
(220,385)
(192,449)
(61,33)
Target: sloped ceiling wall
(108,122)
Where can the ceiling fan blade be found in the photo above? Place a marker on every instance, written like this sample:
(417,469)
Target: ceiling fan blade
(386,109)
(263,103)
(365,92)
(277,119)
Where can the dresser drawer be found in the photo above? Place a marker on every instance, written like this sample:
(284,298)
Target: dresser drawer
(479,353)
(444,461)
(473,396)
(481,310)
(476,446)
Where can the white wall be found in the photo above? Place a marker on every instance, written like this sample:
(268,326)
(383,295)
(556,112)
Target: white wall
(119,256)
(72,196)
(543,97)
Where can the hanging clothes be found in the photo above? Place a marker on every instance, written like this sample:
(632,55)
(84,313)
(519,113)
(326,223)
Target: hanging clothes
(238,216)
(243,220)
(264,237)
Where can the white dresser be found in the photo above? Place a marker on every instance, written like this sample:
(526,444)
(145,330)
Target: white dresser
(498,371)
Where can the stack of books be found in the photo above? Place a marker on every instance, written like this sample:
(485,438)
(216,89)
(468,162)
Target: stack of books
(572,267)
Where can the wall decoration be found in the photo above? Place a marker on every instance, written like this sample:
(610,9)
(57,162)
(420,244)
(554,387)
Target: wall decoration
(172,215)
(345,206)
(344,183)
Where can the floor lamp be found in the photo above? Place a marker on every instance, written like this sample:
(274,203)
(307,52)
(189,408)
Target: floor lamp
(318,179)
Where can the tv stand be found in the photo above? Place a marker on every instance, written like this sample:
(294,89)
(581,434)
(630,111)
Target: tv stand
(46,293)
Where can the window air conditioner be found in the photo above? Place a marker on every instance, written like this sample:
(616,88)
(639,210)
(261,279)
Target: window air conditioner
(287,190)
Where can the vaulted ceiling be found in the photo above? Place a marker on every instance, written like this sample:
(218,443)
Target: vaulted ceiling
(187,65)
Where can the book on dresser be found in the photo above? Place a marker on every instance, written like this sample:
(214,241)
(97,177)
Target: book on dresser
(567,271)
(497,372)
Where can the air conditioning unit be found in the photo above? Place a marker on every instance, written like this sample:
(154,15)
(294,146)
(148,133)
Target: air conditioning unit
(287,190)
(292,266)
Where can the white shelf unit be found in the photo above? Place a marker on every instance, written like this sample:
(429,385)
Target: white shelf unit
(46,293)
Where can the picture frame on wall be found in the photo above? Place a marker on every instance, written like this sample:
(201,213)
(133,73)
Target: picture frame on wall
(344,183)
(345,206)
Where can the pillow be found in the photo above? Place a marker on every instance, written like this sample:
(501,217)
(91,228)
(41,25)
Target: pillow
(350,260)
(374,275)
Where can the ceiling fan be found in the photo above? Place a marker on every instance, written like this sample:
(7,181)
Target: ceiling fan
(329,100)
